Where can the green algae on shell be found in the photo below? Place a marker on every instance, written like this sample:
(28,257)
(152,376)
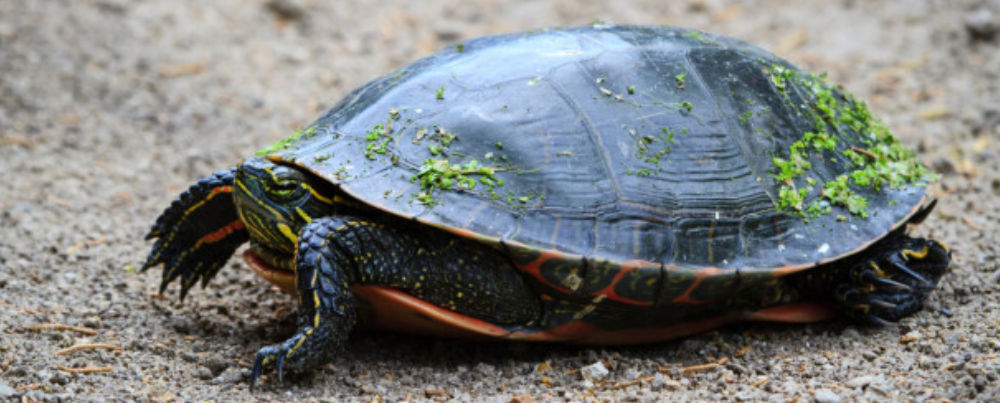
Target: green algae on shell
(287,142)
(884,161)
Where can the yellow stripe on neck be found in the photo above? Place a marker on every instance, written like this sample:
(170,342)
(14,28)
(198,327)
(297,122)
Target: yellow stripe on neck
(303,214)
(287,232)
(320,197)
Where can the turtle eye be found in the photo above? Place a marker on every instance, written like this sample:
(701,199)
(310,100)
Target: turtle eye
(287,184)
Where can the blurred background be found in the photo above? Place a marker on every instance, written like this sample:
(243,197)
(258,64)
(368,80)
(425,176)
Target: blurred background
(109,108)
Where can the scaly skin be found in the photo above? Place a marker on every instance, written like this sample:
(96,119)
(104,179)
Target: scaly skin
(198,233)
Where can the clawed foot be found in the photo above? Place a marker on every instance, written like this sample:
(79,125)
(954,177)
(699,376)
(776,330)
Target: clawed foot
(894,284)
(197,234)
(307,349)
(273,357)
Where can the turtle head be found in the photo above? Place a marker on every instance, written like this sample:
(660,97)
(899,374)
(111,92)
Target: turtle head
(275,202)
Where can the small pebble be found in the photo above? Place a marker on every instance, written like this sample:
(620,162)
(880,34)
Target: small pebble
(982,25)
(180,324)
(216,363)
(92,322)
(660,381)
(521,399)
(287,9)
(860,381)
(189,356)
(826,396)
(594,372)
(5,390)
(59,378)
(447,31)
(204,373)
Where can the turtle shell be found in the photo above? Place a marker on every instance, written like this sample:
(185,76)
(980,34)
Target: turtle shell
(624,149)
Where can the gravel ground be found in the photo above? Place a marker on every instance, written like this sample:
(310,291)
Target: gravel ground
(110,108)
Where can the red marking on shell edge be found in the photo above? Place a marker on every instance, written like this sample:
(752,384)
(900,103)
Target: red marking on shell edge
(803,312)
(221,233)
(397,311)
(534,268)
(626,267)
(700,275)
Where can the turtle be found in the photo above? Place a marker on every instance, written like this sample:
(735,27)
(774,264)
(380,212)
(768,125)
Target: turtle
(604,184)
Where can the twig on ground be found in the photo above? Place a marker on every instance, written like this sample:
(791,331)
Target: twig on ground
(60,326)
(703,367)
(85,370)
(87,346)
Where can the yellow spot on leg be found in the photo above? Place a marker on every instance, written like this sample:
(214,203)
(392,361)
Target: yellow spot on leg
(919,255)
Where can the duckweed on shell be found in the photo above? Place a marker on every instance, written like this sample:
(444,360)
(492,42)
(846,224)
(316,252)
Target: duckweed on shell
(836,114)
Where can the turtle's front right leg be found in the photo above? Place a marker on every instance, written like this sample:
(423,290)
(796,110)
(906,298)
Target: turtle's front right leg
(198,233)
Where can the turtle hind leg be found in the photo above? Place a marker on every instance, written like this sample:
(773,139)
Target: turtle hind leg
(892,281)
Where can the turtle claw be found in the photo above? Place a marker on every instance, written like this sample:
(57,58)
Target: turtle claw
(280,368)
(876,320)
(857,299)
(264,357)
(255,372)
(877,279)
(184,292)
(274,357)
(889,287)
(882,304)
(901,267)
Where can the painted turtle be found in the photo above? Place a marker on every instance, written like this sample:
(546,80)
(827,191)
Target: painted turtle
(604,184)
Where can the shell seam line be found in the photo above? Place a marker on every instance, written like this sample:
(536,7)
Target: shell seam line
(729,126)
(729,132)
(593,133)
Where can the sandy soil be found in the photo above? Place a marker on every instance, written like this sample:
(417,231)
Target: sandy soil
(109,108)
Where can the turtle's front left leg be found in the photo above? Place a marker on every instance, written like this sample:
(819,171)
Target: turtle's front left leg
(337,252)
(326,305)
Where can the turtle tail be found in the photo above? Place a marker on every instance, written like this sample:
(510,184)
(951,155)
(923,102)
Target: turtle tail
(198,233)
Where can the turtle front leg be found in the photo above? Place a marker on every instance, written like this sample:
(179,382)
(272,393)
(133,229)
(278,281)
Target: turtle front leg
(326,306)
(198,233)
(335,253)
(893,281)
